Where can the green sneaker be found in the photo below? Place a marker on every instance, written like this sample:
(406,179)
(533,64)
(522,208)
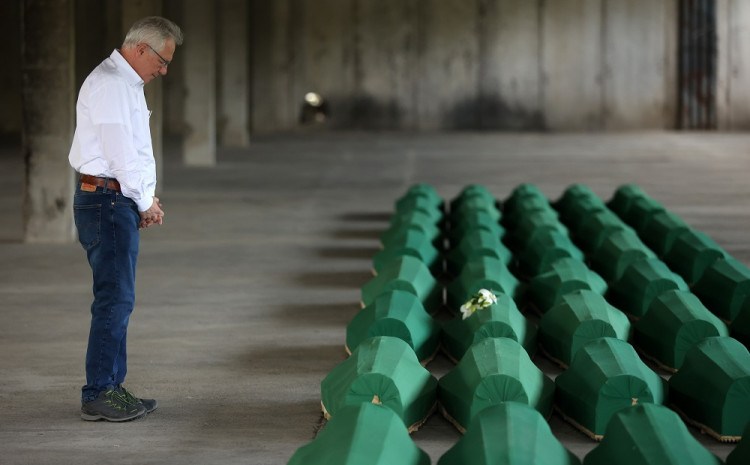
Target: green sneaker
(149,404)
(111,405)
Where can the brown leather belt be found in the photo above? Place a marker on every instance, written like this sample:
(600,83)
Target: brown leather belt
(99,182)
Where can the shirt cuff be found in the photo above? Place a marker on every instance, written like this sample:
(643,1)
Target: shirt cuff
(144,204)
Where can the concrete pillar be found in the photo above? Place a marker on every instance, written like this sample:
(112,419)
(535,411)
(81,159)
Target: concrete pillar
(234,74)
(448,93)
(199,56)
(48,95)
(10,78)
(387,64)
(132,11)
(572,64)
(733,86)
(274,106)
(640,52)
(509,65)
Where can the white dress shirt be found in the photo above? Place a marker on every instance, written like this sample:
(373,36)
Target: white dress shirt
(112,137)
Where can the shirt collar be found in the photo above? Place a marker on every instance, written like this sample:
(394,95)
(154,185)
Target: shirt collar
(125,69)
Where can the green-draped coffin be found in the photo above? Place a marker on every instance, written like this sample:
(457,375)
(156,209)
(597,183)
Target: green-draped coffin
(408,221)
(521,192)
(362,434)
(532,225)
(398,314)
(544,249)
(662,230)
(649,434)
(472,191)
(481,273)
(421,204)
(724,287)
(493,371)
(528,206)
(641,211)
(573,199)
(605,376)
(596,227)
(421,190)
(408,274)
(414,243)
(510,433)
(641,283)
(741,453)
(472,205)
(692,253)
(382,370)
(501,319)
(740,327)
(624,197)
(616,252)
(581,317)
(675,322)
(712,387)
(475,244)
(564,276)
(471,221)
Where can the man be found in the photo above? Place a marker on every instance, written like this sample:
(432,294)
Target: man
(114,198)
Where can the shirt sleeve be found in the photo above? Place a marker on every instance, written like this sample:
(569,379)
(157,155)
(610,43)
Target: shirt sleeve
(111,115)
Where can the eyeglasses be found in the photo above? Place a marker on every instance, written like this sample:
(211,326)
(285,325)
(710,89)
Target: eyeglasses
(164,62)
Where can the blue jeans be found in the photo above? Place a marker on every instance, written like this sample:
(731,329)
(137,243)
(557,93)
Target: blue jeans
(107,224)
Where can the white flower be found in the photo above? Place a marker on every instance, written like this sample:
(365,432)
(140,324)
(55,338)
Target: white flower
(478,301)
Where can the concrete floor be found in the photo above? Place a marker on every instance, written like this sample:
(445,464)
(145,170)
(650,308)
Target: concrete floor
(245,292)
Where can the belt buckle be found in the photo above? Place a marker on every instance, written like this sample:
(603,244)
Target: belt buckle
(86,187)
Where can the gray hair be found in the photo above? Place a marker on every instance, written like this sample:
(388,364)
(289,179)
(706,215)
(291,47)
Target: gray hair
(153,30)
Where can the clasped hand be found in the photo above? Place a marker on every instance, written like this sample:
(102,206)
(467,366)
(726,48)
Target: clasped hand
(154,215)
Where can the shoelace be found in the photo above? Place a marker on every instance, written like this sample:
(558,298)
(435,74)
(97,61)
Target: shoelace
(128,397)
(116,400)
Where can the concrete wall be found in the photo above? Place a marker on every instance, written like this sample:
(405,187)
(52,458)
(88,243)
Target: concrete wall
(10,77)
(733,88)
(454,64)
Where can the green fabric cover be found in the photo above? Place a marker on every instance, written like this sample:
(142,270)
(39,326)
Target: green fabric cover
(582,316)
(385,367)
(741,453)
(421,204)
(582,209)
(596,227)
(363,434)
(544,249)
(408,221)
(472,191)
(527,206)
(724,288)
(407,274)
(414,243)
(713,385)
(492,371)
(662,230)
(510,433)
(499,320)
(534,224)
(649,434)
(641,210)
(398,314)
(571,199)
(563,276)
(474,204)
(641,283)
(623,198)
(521,192)
(740,327)
(470,221)
(606,375)
(420,190)
(475,244)
(482,272)
(675,322)
(616,252)
(692,253)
